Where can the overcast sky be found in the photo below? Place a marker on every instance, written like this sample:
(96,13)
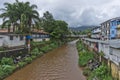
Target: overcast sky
(77,12)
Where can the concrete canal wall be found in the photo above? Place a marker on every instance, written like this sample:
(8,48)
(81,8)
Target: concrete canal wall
(111,51)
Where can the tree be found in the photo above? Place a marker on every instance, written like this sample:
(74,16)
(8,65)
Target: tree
(8,15)
(56,28)
(19,11)
(48,22)
(30,15)
(60,30)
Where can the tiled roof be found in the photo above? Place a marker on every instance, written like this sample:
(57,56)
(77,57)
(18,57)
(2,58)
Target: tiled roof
(39,31)
(4,30)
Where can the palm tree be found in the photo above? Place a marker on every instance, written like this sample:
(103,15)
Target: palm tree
(13,13)
(30,14)
(8,15)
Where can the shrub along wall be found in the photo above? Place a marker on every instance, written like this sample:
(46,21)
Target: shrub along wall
(92,68)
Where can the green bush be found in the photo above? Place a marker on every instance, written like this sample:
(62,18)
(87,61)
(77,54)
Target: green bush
(84,57)
(53,45)
(33,56)
(7,61)
(108,77)
(2,74)
(45,48)
(21,64)
(28,59)
(102,73)
(35,51)
(8,69)
(86,72)
(40,52)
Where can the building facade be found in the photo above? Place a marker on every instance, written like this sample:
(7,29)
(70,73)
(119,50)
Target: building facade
(96,32)
(109,29)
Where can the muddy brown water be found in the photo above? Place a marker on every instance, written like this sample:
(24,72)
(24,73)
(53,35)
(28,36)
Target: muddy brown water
(59,64)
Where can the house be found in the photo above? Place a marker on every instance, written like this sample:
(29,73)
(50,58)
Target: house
(40,35)
(96,32)
(13,40)
(109,28)
(10,39)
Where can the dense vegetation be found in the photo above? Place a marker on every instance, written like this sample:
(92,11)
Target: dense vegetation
(57,28)
(93,69)
(84,54)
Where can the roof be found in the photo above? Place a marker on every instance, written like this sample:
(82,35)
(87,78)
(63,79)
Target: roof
(96,27)
(3,30)
(39,31)
(117,18)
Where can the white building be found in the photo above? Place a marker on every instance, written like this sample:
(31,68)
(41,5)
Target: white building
(96,33)
(11,40)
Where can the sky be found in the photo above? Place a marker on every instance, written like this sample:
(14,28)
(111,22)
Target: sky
(76,12)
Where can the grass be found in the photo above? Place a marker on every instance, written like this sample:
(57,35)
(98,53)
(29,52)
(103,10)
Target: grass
(84,54)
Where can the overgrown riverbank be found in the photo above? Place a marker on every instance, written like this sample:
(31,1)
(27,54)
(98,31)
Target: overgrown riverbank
(92,68)
(9,65)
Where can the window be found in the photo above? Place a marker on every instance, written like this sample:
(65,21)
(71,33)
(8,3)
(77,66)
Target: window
(112,32)
(11,37)
(21,38)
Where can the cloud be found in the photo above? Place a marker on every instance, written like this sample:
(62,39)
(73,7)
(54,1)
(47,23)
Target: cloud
(77,12)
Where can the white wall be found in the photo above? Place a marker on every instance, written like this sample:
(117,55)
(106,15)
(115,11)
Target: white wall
(115,56)
(105,49)
(97,30)
(15,42)
(37,40)
(95,36)
(41,39)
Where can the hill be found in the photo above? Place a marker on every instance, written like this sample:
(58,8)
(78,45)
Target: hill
(81,28)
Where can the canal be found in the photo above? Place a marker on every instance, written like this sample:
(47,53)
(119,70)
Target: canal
(59,64)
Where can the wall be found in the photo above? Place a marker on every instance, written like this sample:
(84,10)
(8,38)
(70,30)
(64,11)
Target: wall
(113,31)
(1,40)
(114,71)
(115,55)
(96,30)
(12,43)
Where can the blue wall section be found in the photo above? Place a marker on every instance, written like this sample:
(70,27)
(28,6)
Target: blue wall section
(113,31)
